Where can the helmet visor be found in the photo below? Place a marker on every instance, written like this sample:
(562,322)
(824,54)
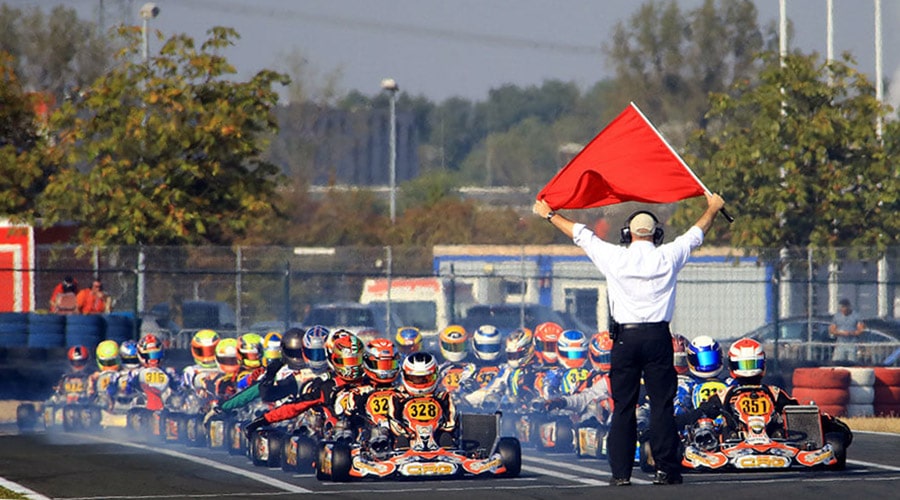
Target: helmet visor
(376,364)
(517,354)
(420,380)
(601,358)
(108,362)
(313,354)
(708,360)
(752,364)
(545,345)
(453,346)
(572,354)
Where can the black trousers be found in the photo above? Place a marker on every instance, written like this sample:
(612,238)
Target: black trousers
(643,351)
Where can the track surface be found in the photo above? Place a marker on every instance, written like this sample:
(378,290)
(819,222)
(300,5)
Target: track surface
(84,466)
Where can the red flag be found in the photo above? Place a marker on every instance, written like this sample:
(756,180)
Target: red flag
(627,161)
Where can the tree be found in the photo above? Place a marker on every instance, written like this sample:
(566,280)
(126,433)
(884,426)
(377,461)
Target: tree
(21,175)
(167,152)
(668,61)
(798,159)
(55,52)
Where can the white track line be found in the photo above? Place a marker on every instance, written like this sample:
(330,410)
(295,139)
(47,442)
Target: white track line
(262,478)
(581,468)
(564,476)
(18,488)
(874,465)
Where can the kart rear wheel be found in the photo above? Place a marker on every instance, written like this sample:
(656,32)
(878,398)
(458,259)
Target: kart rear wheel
(276,443)
(510,455)
(26,417)
(321,462)
(340,463)
(70,418)
(565,436)
(836,440)
(648,465)
(303,451)
(259,448)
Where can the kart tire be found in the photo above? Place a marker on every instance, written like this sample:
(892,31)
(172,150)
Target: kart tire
(861,395)
(822,397)
(304,454)
(26,417)
(321,473)
(565,436)
(647,463)
(885,376)
(821,378)
(70,418)
(836,440)
(257,440)
(194,432)
(235,437)
(217,434)
(341,461)
(276,443)
(861,377)
(510,456)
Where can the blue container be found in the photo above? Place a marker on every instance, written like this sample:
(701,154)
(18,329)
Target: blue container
(119,327)
(47,324)
(85,329)
(13,329)
(45,341)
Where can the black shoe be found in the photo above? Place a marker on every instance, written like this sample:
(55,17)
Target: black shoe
(666,478)
(620,481)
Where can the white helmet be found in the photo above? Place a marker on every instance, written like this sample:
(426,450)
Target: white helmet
(487,343)
(420,373)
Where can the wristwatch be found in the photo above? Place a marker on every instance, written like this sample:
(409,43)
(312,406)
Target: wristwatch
(550,214)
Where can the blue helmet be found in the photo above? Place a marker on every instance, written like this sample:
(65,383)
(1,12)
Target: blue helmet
(704,357)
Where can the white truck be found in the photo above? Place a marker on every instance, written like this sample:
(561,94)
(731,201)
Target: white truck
(429,304)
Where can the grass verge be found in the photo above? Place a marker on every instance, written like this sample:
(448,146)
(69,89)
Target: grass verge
(6,493)
(874,424)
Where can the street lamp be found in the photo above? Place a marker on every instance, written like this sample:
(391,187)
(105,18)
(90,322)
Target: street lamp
(148,11)
(391,86)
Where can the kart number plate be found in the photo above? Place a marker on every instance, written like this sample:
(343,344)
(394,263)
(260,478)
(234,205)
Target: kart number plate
(754,404)
(423,411)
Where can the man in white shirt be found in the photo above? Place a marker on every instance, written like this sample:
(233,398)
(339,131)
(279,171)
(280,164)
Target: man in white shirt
(641,286)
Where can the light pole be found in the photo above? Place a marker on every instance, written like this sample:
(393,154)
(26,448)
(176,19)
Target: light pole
(148,11)
(391,86)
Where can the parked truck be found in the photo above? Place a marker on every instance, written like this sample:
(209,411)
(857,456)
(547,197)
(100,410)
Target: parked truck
(429,304)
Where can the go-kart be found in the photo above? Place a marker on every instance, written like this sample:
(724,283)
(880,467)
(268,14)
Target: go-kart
(756,437)
(476,450)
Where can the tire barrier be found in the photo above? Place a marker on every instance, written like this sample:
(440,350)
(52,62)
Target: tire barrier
(85,329)
(46,330)
(862,392)
(119,327)
(13,329)
(829,388)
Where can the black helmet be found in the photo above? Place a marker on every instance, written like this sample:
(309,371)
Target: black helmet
(292,348)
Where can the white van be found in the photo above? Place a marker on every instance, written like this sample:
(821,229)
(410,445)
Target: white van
(429,304)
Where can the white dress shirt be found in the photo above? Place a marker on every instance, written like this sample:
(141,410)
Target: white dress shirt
(640,277)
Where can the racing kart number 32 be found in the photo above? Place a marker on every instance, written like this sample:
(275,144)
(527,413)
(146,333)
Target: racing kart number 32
(423,410)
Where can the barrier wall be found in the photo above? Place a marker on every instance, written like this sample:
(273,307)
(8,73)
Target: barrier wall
(852,392)
(54,330)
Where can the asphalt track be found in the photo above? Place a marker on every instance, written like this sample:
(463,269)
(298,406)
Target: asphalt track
(96,466)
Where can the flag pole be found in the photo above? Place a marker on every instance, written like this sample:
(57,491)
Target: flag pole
(725,214)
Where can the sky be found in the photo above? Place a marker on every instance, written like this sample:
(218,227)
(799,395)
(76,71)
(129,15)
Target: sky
(441,49)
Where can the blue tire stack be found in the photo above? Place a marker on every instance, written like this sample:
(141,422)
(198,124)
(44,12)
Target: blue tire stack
(46,330)
(119,327)
(85,329)
(13,329)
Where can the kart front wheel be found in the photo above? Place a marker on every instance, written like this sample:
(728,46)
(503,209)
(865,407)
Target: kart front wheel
(510,456)
(836,440)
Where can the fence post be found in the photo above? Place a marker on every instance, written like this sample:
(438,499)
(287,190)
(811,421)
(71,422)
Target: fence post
(390,271)
(884,296)
(287,294)
(776,320)
(452,296)
(237,287)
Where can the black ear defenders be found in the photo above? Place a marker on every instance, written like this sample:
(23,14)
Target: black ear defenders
(625,234)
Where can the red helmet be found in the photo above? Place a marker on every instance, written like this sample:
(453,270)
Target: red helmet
(545,337)
(679,348)
(746,358)
(78,357)
(381,361)
(600,351)
(346,357)
(150,350)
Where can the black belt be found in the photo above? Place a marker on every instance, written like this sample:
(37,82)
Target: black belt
(643,326)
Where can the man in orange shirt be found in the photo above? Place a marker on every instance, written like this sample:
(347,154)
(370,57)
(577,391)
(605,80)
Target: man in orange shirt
(93,300)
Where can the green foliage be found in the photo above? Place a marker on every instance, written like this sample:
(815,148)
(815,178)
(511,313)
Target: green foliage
(167,152)
(798,159)
(21,175)
(55,52)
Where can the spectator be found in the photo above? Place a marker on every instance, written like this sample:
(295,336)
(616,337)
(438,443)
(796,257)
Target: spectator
(94,300)
(845,327)
(63,299)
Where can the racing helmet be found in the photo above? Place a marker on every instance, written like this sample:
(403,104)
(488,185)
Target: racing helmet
(545,337)
(346,357)
(78,357)
(572,349)
(271,347)
(315,353)
(409,340)
(128,353)
(746,358)
(292,348)
(453,340)
(600,351)
(420,373)
(107,354)
(227,355)
(203,348)
(250,351)
(520,347)
(486,343)
(704,357)
(150,350)
(679,349)
(381,361)
(332,338)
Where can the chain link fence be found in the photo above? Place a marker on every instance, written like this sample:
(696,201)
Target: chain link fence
(784,297)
